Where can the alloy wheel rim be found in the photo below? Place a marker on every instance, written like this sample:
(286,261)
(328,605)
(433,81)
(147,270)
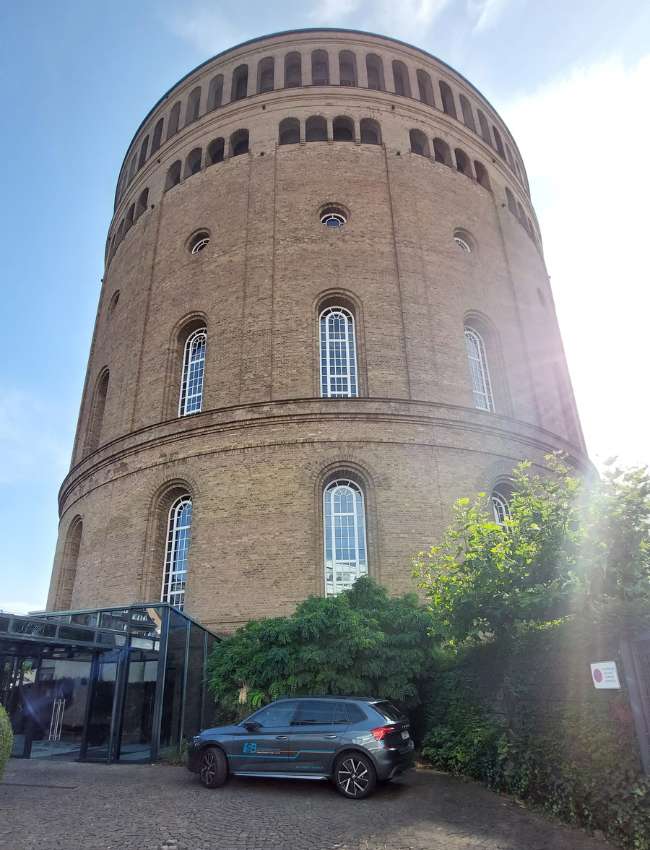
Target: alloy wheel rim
(353,777)
(208,767)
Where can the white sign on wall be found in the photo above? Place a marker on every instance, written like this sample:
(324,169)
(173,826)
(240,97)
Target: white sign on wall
(604,674)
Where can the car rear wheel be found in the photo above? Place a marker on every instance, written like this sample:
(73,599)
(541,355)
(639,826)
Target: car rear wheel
(354,776)
(213,770)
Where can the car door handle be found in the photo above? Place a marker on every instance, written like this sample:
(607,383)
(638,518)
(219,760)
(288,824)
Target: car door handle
(281,737)
(330,736)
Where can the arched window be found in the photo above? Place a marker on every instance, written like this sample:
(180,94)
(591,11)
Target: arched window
(134,163)
(463,163)
(441,152)
(482,175)
(521,215)
(468,114)
(191,397)
(419,143)
(69,562)
(174,118)
(498,142)
(478,368)
(173,175)
(141,206)
(347,68)
(401,78)
(343,129)
(320,68)
(193,162)
(215,151)
(179,534)
(143,151)
(193,106)
(375,71)
(425,88)
(157,135)
(344,526)
(338,354)
(289,133)
(130,215)
(96,419)
(370,132)
(266,74)
(239,143)
(239,87)
(292,70)
(511,161)
(316,129)
(512,204)
(215,92)
(447,96)
(485,130)
(500,508)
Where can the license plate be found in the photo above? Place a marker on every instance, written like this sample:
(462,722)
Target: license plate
(405,735)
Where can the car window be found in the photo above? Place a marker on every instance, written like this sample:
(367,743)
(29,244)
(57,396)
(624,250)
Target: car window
(319,711)
(277,714)
(388,711)
(355,713)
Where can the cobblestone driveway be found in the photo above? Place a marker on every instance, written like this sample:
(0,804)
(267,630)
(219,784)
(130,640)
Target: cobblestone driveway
(49,805)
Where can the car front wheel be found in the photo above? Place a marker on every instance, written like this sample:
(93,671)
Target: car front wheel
(213,770)
(354,776)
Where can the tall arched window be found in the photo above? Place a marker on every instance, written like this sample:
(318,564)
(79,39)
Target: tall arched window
(482,175)
(174,118)
(347,68)
(375,71)
(316,129)
(191,398)
(215,151)
(344,525)
(193,105)
(94,432)
(239,143)
(292,70)
(419,143)
(69,561)
(266,74)
(157,135)
(468,115)
(338,354)
(143,151)
(448,103)
(500,507)
(179,533)
(370,132)
(320,68)
(173,175)
(401,78)
(239,88)
(343,129)
(193,162)
(215,92)
(478,368)
(289,132)
(425,89)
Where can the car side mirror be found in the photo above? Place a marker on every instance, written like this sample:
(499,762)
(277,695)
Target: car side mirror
(252,726)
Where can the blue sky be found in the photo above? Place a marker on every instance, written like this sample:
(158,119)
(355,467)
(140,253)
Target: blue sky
(570,78)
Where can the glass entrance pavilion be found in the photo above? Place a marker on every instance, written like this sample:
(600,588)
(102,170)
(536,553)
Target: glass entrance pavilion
(110,684)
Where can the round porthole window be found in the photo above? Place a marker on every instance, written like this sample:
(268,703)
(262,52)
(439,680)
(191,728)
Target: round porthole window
(463,240)
(198,241)
(333,217)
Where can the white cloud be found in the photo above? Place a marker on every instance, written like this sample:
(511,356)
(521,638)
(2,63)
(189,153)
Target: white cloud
(408,20)
(333,12)
(583,138)
(204,27)
(486,12)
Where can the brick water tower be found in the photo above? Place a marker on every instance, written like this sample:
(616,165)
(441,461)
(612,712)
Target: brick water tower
(325,315)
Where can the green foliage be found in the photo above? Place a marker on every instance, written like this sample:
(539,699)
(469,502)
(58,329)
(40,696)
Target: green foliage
(521,610)
(361,642)
(568,544)
(6,739)
(526,720)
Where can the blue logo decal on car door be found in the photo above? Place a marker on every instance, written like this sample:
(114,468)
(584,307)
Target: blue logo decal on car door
(250,747)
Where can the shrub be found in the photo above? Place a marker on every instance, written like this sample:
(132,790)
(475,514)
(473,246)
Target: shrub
(6,739)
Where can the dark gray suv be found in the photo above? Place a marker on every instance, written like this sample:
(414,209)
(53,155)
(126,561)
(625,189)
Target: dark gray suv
(353,741)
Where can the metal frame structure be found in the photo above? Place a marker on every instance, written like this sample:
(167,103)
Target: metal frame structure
(115,637)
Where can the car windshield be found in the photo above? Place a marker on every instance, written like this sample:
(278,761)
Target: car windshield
(388,711)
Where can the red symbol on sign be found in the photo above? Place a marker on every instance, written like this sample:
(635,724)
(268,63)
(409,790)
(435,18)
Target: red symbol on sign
(598,676)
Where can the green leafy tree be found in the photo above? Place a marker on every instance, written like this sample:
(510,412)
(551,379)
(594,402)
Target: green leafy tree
(361,642)
(6,739)
(568,543)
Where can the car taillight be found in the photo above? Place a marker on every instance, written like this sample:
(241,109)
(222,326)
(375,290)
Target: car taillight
(380,732)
